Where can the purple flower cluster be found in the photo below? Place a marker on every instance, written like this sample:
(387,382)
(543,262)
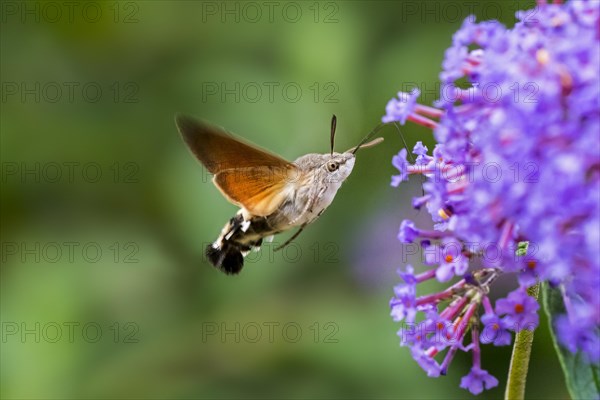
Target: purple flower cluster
(516,170)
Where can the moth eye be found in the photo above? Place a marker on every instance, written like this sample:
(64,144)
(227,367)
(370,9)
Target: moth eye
(332,166)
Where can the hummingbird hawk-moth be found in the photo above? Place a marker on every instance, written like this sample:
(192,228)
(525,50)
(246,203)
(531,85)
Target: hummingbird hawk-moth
(273,194)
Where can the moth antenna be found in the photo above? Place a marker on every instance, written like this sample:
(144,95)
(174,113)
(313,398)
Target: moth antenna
(374,131)
(410,155)
(369,136)
(333,126)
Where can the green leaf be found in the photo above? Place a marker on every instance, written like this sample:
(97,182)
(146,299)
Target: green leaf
(582,378)
(522,248)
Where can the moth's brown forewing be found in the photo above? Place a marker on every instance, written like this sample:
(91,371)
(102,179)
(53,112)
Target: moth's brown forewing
(247,175)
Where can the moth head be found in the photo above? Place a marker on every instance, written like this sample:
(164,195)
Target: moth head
(338,166)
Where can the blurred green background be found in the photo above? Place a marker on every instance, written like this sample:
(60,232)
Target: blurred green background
(105,214)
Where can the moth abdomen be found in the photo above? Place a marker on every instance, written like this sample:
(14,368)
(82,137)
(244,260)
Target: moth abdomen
(237,238)
(227,258)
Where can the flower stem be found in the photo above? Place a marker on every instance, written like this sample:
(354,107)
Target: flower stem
(519,361)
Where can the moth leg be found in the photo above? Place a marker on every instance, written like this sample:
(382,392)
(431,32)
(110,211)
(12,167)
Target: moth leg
(294,236)
(309,205)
